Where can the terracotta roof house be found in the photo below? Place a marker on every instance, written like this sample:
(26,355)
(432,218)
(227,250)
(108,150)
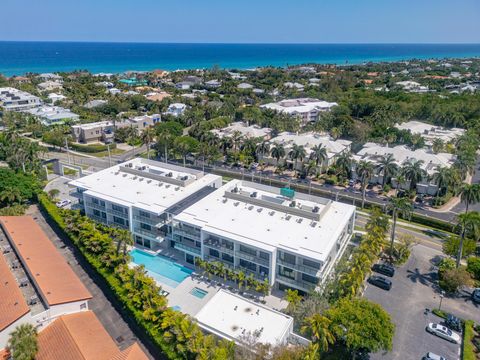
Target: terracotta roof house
(81,336)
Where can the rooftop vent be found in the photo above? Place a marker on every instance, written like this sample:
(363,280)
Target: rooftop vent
(316,209)
(235,190)
(236,203)
(224,200)
(170,174)
(250,207)
(299,220)
(160,184)
(253,194)
(292,204)
(271,213)
(184,177)
(288,217)
(313,224)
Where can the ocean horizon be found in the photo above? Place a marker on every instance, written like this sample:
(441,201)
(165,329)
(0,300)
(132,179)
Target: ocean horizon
(20,57)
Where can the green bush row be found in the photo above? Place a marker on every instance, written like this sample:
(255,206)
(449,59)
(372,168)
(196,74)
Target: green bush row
(439,224)
(93,148)
(468,349)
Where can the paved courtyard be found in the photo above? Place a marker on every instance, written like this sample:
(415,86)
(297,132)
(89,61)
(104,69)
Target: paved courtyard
(413,291)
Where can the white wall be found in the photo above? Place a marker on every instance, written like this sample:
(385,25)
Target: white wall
(5,333)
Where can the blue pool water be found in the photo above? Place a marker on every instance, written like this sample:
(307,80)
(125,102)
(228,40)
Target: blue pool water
(199,293)
(161,268)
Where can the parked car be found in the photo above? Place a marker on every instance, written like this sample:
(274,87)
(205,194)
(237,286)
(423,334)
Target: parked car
(63,203)
(432,356)
(443,332)
(453,323)
(384,269)
(380,281)
(476,296)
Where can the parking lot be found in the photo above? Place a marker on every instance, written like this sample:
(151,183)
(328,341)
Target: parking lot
(414,289)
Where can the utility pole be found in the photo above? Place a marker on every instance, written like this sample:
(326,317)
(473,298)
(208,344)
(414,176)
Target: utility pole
(109,156)
(68,151)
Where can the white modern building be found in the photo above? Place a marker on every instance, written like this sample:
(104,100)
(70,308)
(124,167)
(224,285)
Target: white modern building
(247,131)
(52,115)
(237,319)
(374,152)
(142,196)
(292,240)
(430,132)
(12,99)
(176,109)
(307,109)
(309,140)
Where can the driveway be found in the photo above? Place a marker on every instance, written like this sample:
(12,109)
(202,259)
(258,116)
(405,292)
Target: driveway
(414,290)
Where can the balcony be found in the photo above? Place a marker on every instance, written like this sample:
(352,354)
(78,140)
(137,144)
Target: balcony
(154,221)
(300,284)
(250,272)
(186,248)
(302,268)
(218,246)
(97,218)
(187,233)
(255,259)
(154,234)
(117,213)
(95,206)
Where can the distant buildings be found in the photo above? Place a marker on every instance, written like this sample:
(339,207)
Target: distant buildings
(334,148)
(176,109)
(252,131)
(412,86)
(52,115)
(294,85)
(244,86)
(373,152)
(95,103)
(54,98)
(16,100)
(50,77)
(431,132)
(306,109)
(38,285)
(50,85)
(213,84)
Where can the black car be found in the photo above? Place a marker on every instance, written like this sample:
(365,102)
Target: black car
(384,269)
(476,296)
(380,281)
(453,323)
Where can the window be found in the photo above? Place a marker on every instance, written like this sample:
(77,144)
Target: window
(198,244)
(95,201)
(145,227)
(146,243)
(138,240)
(96,212)
(264,255)
(263,270)
(118,208)
(144,214)
(227,258)
(102,203)
(227,244)
(286,272)
(310,263)
(214,253)
(118,220)
(311,279)
(104,216)
(247,250)
(249,265)
(288,258)
(83,306)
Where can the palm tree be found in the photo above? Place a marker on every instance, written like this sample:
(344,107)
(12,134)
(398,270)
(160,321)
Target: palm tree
(469,194)
(226,144)
(278,152)
(365,171)
(241,279)
(387,166)
(293,299)
(413,172)
(164,137)
(318,327)
(442,178)
(148,137)
(437,145)
(466,220)
(319,155)
(398,206)
(297,153)
(236,139)
(23,342)
(262,149)
(344,164)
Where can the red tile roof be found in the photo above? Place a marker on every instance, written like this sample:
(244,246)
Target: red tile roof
(53,277)
(12,303)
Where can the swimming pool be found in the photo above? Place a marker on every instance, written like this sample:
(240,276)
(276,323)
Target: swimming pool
(199,293)
(162,269)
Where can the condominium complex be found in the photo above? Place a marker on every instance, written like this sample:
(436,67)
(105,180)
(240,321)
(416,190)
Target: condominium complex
(431,132)
(52,115)
(307,109)
(245,130)
(142,195)
(38,285)
(374,152)
(16,100)
(334,148)
(293,240)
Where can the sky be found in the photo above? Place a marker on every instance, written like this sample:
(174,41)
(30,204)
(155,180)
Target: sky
(245,21)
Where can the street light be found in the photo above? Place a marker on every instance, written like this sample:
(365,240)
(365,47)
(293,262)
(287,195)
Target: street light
(442,295)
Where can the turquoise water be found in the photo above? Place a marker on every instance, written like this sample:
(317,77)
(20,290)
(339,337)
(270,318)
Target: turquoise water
(199,293)
(161,268)
(21,57)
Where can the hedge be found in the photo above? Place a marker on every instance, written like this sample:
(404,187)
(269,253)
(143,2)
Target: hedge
(93,148)
(435,223)
(468,349)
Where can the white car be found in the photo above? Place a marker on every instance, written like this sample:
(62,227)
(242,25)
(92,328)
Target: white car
(432,356)
(63,203)
(443,332)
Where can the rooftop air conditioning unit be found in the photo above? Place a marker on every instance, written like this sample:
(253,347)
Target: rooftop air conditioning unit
(316,209)
(253,194)
(292,204)
(170,174)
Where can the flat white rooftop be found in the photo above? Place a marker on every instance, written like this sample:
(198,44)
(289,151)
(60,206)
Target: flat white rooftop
(232,317)
(145,184)
(252,131)
(430,132)
(268,221)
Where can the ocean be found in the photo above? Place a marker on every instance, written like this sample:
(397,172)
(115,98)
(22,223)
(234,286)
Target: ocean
(17,58)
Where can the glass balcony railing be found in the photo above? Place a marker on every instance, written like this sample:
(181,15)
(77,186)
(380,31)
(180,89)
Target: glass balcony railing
(255,259)
(303,285)
(150,221)
(117,213)
(187,233)
(302,268)
(190,249)
(218,246)
(95,206)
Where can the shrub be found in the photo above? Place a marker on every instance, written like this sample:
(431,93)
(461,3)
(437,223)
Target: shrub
(93,148)
(444,265)
(473,267)
(468,347)
(452,244)
(453,279)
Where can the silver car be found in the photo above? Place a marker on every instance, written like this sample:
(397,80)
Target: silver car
(443,332)
(432,356)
